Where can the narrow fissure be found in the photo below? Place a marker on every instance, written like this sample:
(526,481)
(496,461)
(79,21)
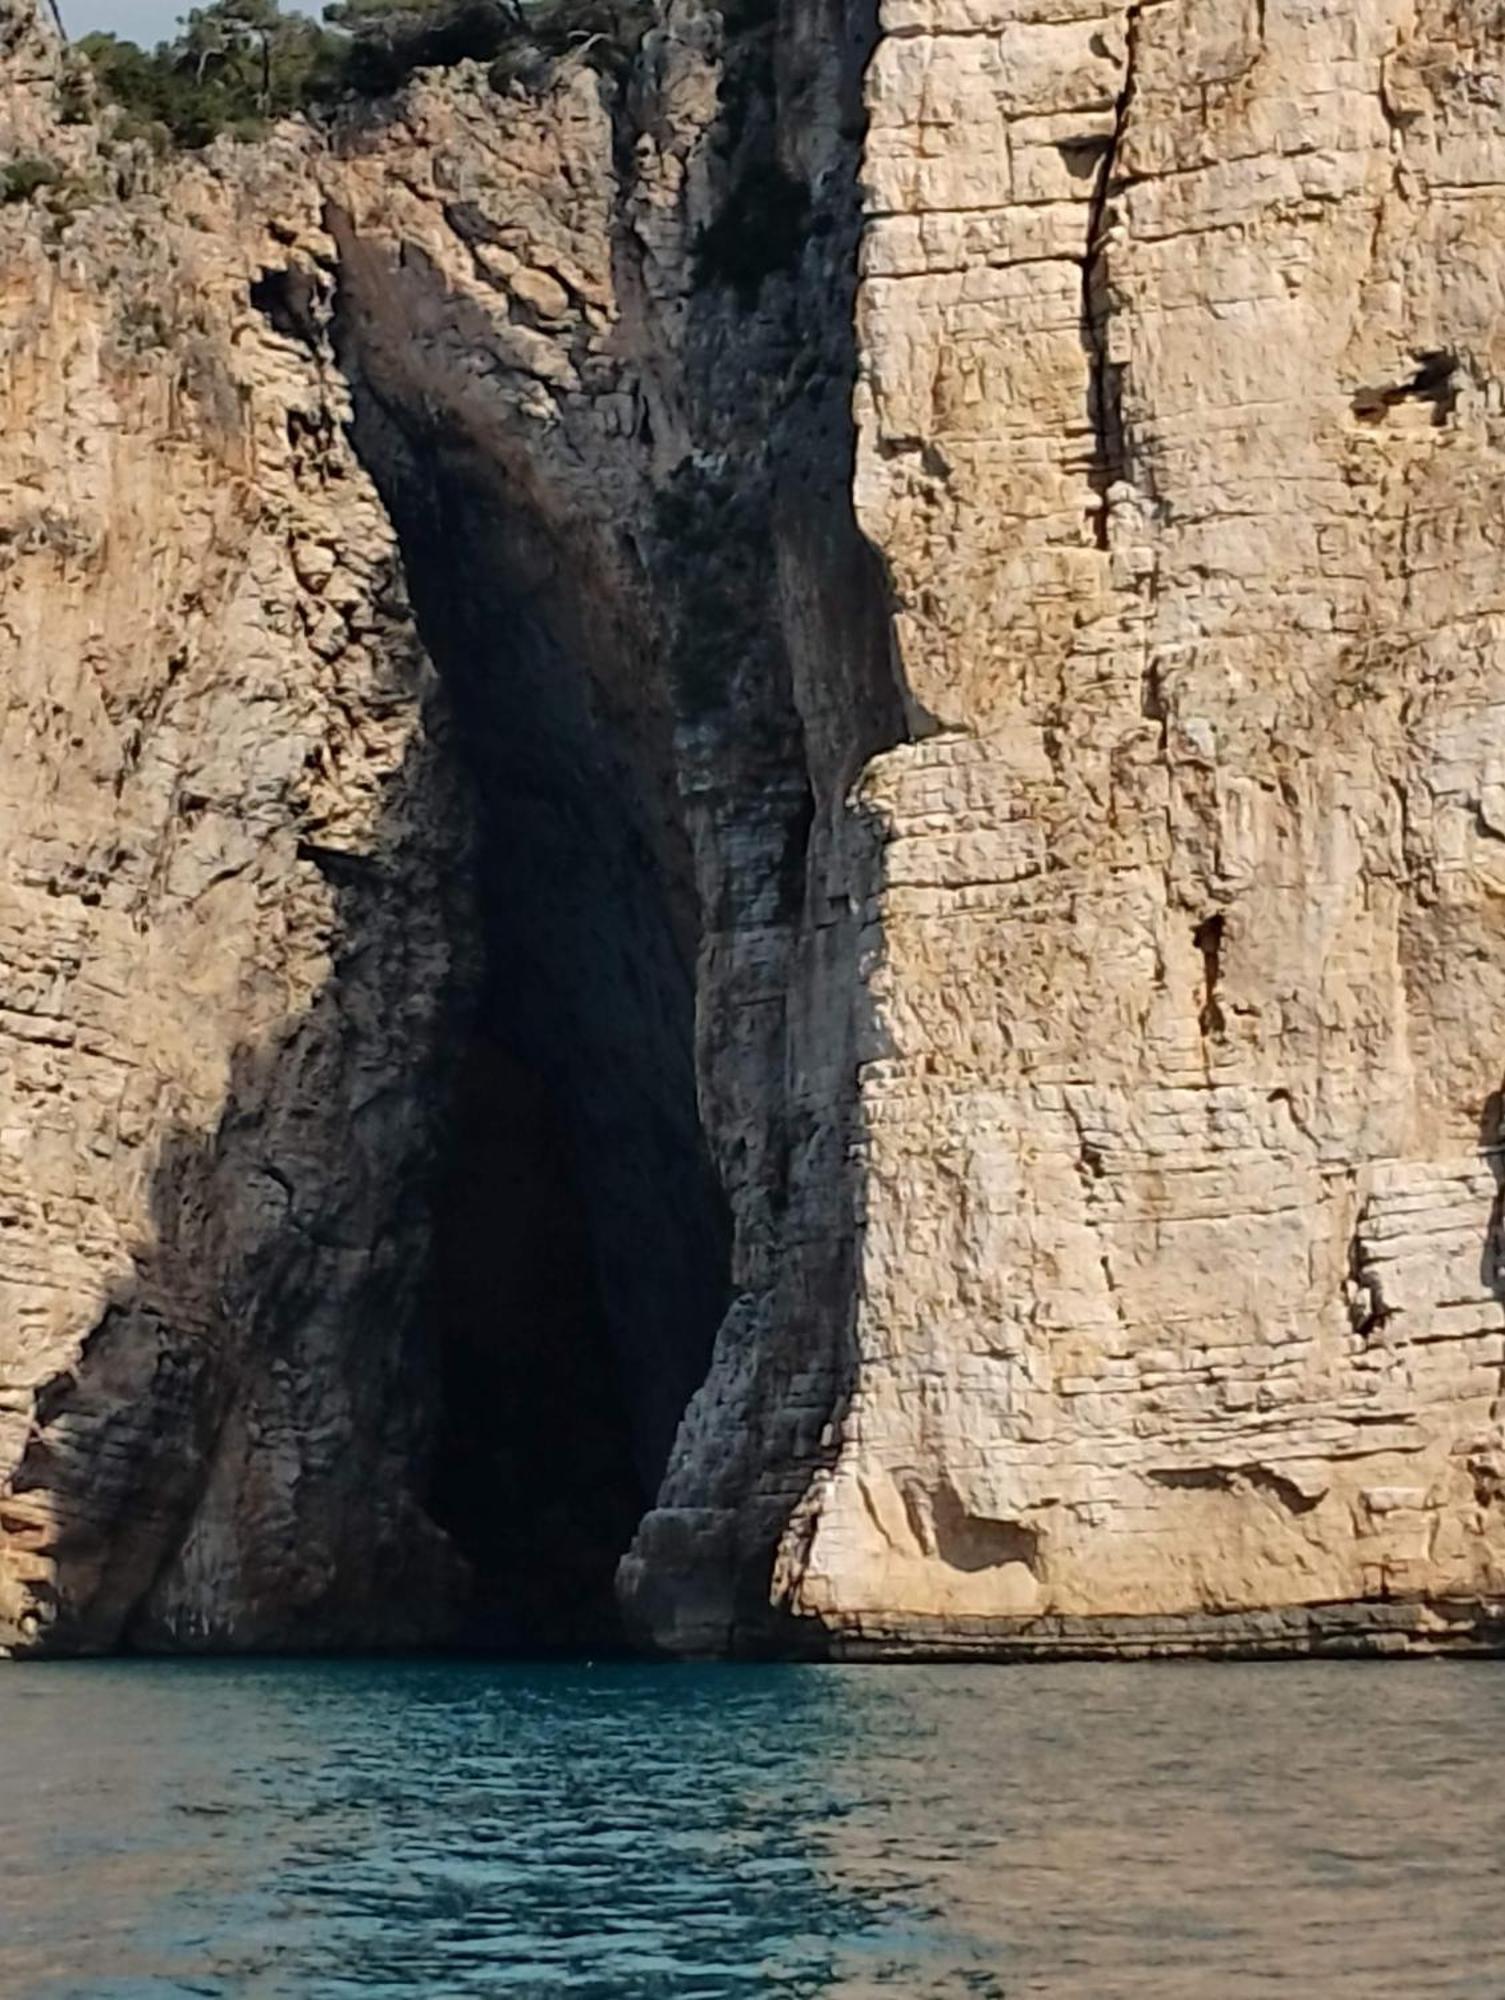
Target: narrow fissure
(1208,938)
(1105,377)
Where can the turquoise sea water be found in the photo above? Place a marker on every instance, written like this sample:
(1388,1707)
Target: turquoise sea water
(1332,1832)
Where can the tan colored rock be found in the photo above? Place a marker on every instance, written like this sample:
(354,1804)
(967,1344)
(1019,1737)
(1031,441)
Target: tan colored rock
(1178,1286)
(239,923)
(1045,623)
(214,711)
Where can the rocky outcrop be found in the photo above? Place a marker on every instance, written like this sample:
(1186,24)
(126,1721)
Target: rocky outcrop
(231,914)
(1181,429)
(874,635)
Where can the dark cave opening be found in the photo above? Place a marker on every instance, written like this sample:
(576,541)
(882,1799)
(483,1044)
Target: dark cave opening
(533,1471)
(580,1248)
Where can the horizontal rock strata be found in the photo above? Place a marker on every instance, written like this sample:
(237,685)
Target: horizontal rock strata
(1176,1143)
(959,547)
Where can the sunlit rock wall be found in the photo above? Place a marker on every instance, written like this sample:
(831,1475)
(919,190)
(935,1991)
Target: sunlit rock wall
(1017,489)
(229,918)
(1181,422)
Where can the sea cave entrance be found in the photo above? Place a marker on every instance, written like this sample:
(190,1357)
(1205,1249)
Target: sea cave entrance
(580,1247)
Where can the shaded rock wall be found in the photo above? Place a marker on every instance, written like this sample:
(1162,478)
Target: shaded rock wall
(233,916)
(397,1254)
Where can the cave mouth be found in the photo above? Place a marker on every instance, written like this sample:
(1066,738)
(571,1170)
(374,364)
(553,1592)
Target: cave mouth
(580,1243)
(533,1472)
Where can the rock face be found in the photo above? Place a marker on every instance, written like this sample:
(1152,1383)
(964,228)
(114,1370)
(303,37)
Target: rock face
(1181,420)
(843,675)
(229,936)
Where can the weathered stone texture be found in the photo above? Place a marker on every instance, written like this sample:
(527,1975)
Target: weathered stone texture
(243,896)
(1181,431)
(1047,626)
(224,929)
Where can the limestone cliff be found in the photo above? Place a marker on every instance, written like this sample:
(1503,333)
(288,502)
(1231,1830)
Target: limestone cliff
(840,674)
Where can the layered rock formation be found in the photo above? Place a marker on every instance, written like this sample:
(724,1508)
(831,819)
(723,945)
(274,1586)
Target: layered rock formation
(1181,433)
(883,628)
(229,871)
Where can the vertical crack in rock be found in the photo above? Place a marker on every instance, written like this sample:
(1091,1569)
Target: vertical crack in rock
(1492,1151)
(1104,384)
(1208,938)
(790,686)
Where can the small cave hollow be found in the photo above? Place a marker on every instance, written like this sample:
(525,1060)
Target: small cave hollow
(580,1244)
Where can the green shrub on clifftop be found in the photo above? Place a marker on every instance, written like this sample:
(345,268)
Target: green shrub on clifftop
(237,64)
(21,179)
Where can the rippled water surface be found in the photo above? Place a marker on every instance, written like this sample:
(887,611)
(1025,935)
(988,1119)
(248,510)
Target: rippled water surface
(1335,1832)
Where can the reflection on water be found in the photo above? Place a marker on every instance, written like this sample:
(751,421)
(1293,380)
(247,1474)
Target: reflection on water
(658,1833)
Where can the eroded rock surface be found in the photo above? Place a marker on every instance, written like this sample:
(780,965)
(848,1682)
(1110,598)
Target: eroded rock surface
(1181,428)
(959,549)
(228,936)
